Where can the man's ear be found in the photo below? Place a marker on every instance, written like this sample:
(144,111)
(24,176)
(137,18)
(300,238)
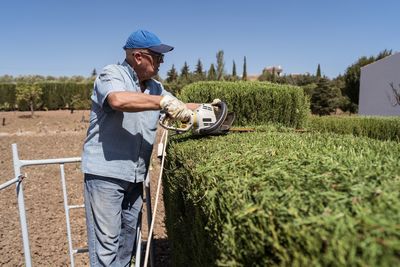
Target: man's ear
(137,57)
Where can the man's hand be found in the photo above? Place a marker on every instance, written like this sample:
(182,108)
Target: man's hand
(175,108)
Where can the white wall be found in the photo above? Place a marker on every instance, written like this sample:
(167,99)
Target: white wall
(376,95)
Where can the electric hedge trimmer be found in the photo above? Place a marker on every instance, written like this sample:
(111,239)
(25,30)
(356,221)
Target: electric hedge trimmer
(207,119)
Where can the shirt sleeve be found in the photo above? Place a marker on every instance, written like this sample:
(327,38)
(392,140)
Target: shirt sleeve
(163,91)
(109,80)
(156,88)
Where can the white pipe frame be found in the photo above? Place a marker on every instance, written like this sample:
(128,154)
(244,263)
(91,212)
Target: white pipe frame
(18,164)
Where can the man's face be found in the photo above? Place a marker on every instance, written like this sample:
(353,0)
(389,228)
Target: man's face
(150,64)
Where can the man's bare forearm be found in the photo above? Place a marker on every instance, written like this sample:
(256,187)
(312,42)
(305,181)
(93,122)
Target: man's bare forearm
(135,102)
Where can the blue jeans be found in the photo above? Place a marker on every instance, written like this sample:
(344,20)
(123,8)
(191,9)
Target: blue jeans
(113,211)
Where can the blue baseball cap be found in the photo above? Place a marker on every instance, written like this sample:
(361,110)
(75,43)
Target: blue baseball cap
(146,39)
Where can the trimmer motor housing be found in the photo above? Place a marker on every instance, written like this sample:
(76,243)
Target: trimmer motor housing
(207,119)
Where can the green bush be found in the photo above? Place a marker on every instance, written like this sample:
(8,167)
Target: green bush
(283,199)
(381,128)
(7,96)
(56,95)
(254,103)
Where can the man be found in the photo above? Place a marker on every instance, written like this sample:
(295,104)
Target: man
(126,103)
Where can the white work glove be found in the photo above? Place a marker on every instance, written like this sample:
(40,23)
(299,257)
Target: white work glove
(214,104)
(175,108)
(216,101)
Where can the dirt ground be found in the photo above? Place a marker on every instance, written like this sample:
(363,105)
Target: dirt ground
(53,134)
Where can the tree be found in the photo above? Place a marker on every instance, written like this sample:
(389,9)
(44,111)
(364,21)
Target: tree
(309,89)
(244,76)
(199,71)
(344,102)
(185,72)
(234,75)
(94,72)
(51,78)
(172,75)
(157,77)
(353,72)
(6,78)
(30,94)
(396,95)
(77,78)
(211,73)
(220,65)
(266,76)
(318,71)
(324,99)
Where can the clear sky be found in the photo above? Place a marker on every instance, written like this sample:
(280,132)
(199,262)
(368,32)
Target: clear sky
(72,37)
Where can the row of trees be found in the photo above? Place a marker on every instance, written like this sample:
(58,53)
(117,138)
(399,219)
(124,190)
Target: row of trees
(343,91)
(214,73)
(326,95)
(40,78)
(176,80)
(45,96)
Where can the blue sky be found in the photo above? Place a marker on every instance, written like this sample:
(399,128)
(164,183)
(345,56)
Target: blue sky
(65,38)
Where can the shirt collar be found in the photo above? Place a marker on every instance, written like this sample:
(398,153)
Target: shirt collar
(130,70)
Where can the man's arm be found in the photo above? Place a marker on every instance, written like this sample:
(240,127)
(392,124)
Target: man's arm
(135,102)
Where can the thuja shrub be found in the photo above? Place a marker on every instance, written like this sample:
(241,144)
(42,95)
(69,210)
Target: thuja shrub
(254,103)
(382,128)
(283,199)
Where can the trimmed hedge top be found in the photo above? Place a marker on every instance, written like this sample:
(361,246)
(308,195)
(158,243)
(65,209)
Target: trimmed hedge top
(283,199)
(254,103)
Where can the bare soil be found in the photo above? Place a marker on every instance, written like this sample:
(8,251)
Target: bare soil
(53,134)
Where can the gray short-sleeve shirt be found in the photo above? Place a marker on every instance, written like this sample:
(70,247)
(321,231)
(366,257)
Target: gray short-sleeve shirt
(119,144)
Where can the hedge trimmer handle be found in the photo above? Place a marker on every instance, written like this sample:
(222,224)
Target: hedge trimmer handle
(168,123)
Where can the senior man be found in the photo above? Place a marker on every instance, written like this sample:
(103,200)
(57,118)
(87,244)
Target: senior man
(126,104)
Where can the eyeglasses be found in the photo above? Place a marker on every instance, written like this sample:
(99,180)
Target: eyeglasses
(158,58)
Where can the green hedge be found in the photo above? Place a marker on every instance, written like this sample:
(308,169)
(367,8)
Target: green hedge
(56,95)
(7,96)
(60,95)
(283,199)
(381,128)
(254,103)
